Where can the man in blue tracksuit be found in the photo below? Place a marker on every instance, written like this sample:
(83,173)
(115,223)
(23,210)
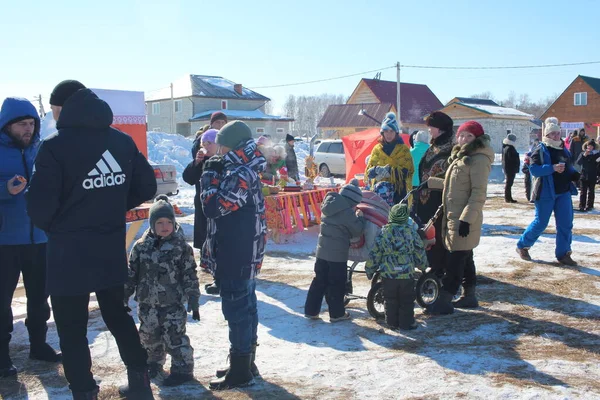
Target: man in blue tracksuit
(553,176)
(22,246)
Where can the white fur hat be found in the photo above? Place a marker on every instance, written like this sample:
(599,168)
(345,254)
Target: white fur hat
(551,120)
(422,136)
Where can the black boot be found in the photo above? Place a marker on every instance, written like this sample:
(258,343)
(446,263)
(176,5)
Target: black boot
(213,288)
(443,304)
(91,395)
(176,379)
(239,374)
(38,348)
(253,368)
(468,299)
(7,368)
(43,352)
(138,386)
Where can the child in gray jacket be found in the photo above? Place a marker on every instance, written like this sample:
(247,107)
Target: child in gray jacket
(339,223)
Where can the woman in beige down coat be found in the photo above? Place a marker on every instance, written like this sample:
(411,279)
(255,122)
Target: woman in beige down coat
(464,194)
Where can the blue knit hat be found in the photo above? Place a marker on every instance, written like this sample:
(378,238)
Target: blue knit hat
(390,122)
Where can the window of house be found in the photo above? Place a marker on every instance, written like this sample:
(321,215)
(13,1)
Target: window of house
(178,104)
(279,130)
(581,99)
(260,131)
(155,108)
(223,104)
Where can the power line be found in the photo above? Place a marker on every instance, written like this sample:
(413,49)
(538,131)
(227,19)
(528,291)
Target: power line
(430,67)
(502,67)
(323,80)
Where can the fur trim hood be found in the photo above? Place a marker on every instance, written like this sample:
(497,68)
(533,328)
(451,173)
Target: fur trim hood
(479,145)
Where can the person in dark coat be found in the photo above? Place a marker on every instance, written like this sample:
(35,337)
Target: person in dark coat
(291,162)
(510,165)
(22,245)
(192,175)
(527,175)
(588,161)
(434,164)
(217,120)
(87,175)
(576,146)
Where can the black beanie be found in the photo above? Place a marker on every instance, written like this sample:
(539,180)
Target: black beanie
(63,91)
(288,137)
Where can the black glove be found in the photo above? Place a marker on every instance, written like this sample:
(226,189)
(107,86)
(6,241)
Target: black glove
(575,177)
(215,163)
(463,228)
(196,315)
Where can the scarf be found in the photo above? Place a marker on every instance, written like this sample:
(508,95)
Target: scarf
(555,144)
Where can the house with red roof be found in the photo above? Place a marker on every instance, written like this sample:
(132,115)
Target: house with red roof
(371,100)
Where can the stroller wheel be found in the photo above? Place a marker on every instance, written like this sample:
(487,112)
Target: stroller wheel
(375,301)
(428,289)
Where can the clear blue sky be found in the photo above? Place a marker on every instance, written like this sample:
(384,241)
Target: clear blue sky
(144,45)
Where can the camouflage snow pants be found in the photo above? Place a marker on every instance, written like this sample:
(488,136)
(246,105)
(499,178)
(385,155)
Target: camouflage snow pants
(162,330)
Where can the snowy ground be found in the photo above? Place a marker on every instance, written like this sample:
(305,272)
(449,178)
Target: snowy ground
(536,335)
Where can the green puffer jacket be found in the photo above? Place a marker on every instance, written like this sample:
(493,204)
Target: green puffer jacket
(398,250)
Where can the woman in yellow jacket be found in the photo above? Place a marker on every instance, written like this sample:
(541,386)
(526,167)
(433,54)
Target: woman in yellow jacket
(464,194)
(390,168)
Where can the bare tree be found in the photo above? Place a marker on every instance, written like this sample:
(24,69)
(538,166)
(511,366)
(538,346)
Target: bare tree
(521,102)
(308,110)
(269,107)
(484,95)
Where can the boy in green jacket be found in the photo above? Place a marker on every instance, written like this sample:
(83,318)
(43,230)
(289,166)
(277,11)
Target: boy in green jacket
(397,251)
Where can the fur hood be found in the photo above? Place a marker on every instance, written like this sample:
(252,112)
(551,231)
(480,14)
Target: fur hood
(508,142)
(479,145)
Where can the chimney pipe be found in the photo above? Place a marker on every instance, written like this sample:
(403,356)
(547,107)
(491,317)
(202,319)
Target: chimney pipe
(238,88)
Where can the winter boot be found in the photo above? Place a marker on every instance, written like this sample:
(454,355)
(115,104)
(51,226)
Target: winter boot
(6,366)
(138,386)
(43,352)
(91,395)
(239,374)
(567,260)
(468,299)
(253,368)
(176,379)
(213,288)
(524,253)
(443,304)
(38,348)
(155,369)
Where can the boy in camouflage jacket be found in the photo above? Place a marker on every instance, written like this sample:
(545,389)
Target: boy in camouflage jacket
(397,251)
(162,273)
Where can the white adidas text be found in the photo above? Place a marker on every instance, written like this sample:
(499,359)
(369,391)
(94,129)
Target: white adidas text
(104,181)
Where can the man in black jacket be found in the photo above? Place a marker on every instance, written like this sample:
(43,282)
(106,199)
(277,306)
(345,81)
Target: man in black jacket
(510,164)
(86,177)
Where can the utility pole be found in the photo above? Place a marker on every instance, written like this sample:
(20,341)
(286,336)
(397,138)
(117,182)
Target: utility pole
(398,93)
(41,106)
(172,111)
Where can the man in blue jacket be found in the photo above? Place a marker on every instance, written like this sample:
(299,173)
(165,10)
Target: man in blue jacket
(87,175)
(22,246)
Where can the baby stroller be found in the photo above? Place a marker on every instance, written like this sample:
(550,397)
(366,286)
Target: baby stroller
(428,284)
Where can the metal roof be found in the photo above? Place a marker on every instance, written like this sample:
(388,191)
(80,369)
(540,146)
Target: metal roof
(473,100)
(204,86)
(594,83)
(346,115)
(243,115)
